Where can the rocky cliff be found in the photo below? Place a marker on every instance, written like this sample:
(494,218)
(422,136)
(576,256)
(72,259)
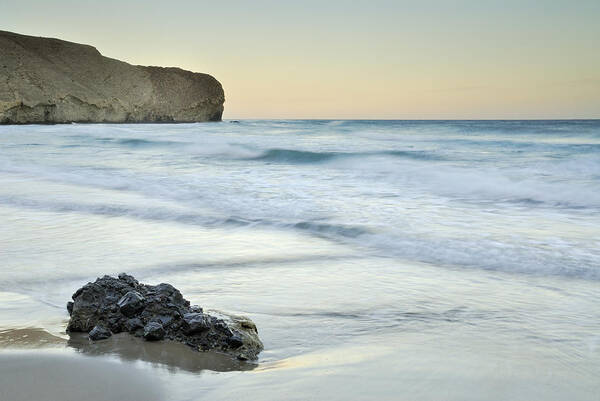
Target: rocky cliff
(45,80)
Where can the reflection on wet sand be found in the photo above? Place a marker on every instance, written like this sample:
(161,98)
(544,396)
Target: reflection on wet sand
(171,355)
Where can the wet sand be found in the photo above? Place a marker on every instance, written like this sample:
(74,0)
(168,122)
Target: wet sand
(36,365)
(31,337)
(425,367)
(50,375)
(123,347)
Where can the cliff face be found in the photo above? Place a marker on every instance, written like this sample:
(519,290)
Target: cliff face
(45,80)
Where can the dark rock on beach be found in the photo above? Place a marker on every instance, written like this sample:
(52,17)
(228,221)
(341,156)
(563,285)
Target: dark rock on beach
(99,332)
(45,80)
(131,303)
(113,305)
(154,331)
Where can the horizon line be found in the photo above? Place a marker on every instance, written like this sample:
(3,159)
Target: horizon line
(411,119)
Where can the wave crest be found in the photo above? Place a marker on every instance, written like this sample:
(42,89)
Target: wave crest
(277,155)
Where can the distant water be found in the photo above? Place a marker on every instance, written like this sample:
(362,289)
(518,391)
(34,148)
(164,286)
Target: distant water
(461,253)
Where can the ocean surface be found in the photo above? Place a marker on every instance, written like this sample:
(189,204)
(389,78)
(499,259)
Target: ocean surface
(388,260)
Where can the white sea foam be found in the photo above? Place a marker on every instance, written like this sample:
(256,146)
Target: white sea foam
(428,195)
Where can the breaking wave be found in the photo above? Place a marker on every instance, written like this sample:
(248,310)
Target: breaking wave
(307,157)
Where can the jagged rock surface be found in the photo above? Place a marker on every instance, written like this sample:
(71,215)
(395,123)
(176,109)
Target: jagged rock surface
(114,305)
(44,80)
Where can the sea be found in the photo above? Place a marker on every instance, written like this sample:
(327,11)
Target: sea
(383,260)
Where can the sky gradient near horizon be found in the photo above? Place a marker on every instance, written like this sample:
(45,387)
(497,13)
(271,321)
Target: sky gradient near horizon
(352,59)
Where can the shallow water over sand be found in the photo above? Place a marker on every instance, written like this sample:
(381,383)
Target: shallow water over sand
(379,260)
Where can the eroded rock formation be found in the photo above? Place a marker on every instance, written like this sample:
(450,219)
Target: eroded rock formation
(45,80)
(156,312)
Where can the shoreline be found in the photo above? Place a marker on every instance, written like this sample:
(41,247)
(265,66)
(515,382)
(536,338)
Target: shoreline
(125,347)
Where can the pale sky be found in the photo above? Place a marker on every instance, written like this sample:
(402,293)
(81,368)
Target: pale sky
(352,59)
